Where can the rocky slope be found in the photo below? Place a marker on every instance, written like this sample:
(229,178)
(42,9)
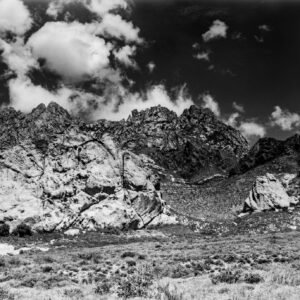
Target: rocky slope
(54,176)
(194,145)
(269,150)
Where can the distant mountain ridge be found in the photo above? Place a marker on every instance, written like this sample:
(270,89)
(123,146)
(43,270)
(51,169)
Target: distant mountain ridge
(195,144)
(267,150)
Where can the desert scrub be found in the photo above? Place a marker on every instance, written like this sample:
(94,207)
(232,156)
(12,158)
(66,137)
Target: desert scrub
(227,276)
(4,230)
(4,294)
(103,288)
(166,293)
(136,284)
(286,276)
(22,230)
(252,278)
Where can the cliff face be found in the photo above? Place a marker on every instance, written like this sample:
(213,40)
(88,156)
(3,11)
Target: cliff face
(194,145)
(54,176)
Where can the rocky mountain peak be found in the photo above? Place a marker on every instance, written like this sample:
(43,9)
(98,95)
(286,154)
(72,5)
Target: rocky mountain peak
(156,114)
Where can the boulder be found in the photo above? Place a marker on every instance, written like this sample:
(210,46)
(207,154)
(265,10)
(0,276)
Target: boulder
(267,193)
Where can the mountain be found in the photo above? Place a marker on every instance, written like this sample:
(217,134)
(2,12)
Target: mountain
(193,145)
(282,155)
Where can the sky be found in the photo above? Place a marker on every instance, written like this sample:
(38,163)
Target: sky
(104,58)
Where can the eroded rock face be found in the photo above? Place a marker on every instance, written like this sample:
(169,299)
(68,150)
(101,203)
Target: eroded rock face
(53,176)
(267,193)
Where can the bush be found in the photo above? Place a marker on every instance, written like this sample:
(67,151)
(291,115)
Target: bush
(128,254)
(136,284)
(164,292)
(4,230)
(103,288)
(227,276)
(253,278)
(22,230)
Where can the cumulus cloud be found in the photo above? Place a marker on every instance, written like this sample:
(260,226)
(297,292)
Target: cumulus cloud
(14,17)
(252,129)
(79,52)
(249,129)
(125,56)
(238,107)
(284,119)
(17,56)
(156,95)
(75,52)
(217,30)
(25,96)
(114,26)
(209,102)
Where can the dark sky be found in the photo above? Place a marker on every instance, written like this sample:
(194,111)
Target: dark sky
(256,65)
(258,75)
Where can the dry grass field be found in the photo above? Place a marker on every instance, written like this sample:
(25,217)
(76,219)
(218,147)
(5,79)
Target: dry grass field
(173,262)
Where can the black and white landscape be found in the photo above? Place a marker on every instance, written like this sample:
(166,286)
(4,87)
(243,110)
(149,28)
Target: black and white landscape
(149,149)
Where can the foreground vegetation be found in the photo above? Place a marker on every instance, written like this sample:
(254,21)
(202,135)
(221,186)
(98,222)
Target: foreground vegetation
(171,263)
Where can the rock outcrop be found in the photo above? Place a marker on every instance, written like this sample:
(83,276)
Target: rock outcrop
(193,145)
(55,176)
(266,150)
(267,193)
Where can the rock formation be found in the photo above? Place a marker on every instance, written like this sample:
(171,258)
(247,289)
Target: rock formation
(194,145)
(268,150)
(54,176)
(267,193)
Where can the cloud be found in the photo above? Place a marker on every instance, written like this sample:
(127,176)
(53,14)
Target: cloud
(151,66)
(17,56)
(232,120)
(264,27)
(99,7)
(252,129)
(249,129)
(238,107)
(14,17)
(75,53)
(284,119)
(217,30)
(209,102)
(25,96)
(125,54)
(156,95)
(114,26)
(202,56)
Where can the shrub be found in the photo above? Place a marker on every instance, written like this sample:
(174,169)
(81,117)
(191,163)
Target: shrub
(22,230)
(253,278)
(227,276)
(4,230)
(136,284)
(164,292)
(103,288)
(4,294)
(47,269)
(73,293)
(128,254)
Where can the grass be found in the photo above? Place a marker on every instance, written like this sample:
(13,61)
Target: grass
(184,261)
